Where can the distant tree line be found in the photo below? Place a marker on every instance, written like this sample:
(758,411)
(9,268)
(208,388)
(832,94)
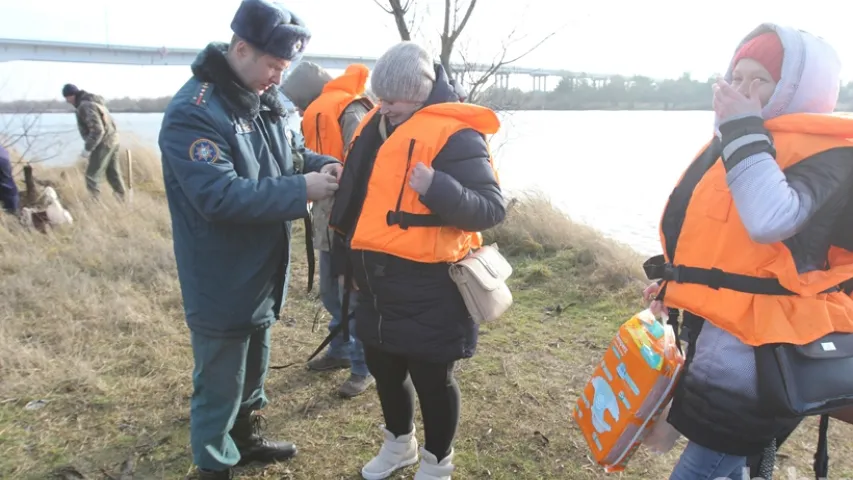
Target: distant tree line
(621,93)
(614,93)
(117,105)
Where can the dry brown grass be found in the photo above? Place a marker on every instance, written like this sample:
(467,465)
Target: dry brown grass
(69,181)
(536,228)
(92,324)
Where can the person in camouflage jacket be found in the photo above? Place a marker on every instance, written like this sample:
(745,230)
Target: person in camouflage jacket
(100,137)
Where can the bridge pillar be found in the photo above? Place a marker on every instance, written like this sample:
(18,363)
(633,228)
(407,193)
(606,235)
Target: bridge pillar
(458,75)
(502,80)
(573,81)
(540,82)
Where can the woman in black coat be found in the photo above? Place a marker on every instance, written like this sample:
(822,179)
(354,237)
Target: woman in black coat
(410,315)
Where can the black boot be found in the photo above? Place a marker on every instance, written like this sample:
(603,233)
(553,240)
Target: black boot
(215,475)
(255,448)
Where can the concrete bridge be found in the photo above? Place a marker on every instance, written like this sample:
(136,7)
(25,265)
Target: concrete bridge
(50,51)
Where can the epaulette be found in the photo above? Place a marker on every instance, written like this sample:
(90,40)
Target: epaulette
(201,96)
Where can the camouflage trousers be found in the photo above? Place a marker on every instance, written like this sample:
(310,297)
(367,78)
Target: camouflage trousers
(104,159)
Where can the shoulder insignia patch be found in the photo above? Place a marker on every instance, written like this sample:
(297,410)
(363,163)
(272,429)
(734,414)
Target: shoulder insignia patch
(204,150)
(200,98)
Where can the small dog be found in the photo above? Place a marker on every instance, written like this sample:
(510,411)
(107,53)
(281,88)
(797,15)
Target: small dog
(51,214)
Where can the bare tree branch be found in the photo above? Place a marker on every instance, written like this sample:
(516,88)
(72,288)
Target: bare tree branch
(445,34)
(411,25)
(531,49)
(450,33)
(459,28)
(476,83)
(383,7)
(399,11)
(22,132)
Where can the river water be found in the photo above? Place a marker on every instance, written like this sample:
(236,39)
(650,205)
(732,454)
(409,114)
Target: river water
(610,169)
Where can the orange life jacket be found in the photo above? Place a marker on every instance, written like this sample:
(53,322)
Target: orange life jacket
(321,120)
(714,250)
(393,220)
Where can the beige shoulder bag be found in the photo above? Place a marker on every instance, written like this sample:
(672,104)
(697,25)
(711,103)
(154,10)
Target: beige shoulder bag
(481,278)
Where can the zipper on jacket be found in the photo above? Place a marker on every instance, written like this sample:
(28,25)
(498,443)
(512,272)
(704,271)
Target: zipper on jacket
(405,174)
(370,289)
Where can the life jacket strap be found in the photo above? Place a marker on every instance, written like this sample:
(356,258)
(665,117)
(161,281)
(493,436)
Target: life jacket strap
(657,268)
(405,219)
(717,279)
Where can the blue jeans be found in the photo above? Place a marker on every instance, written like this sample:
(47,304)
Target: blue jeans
(700,463)
(228,380)
(331,294)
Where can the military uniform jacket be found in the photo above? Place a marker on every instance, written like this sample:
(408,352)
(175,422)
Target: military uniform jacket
(232,193)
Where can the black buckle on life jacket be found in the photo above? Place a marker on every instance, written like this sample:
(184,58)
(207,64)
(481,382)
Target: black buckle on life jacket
(673,273)
(712,277)
(716,278)
(405,219)
(396,218)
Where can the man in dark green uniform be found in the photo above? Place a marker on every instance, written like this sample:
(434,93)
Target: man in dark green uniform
(233,192)
(100,139)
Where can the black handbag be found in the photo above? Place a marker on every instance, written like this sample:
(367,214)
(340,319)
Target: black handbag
(805,380)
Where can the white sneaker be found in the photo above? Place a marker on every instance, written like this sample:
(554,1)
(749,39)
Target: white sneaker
(432,469)
(396,453)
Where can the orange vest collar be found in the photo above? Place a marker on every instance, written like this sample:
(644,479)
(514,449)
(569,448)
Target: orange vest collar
(352,81)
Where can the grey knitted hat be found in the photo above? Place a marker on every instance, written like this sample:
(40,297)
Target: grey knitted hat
(405,73)
(305,83)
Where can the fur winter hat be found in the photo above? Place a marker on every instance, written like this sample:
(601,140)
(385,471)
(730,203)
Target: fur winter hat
(271,28)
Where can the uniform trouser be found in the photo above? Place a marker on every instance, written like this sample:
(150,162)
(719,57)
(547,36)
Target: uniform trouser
(104,159)
(228,380)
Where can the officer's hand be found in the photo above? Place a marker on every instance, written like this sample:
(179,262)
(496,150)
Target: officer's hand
(335,169)
(320,186)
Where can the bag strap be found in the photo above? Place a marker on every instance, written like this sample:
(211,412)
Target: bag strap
(343,326)
(821,456)
(767,461)
(309,250)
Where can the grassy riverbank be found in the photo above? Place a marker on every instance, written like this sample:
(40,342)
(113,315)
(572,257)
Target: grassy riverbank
(91,323)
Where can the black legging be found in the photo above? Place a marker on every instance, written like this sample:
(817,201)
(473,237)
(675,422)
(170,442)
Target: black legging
(397,379)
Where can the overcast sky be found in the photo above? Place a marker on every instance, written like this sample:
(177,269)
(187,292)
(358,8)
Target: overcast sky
(662,38)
